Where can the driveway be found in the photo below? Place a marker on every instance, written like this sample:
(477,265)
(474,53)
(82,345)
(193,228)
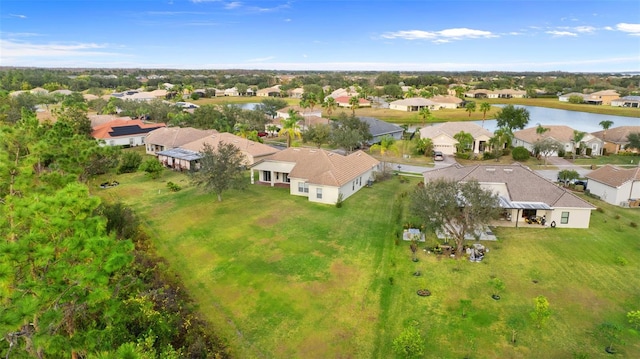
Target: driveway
(561,164)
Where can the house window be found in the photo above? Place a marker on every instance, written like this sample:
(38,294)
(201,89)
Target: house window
(564,219)
(131,141)
(285,178)
(277,175)
(266,176)
(353,185)
(319,193)
(303,187)
(526,213)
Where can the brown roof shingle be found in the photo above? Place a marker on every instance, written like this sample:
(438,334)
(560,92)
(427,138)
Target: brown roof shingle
(523,184)
(172,137)
(614,176)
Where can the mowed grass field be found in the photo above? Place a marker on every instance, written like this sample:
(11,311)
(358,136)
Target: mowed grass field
(280,277)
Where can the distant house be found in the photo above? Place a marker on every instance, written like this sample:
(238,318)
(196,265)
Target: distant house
(522,194)
(450,102)
(616,185)
(615,139)
(296,93)
(167,138)
(304,112)
(601,97)
(342,92)
(269,92)
(596,98)
(379,129)
(563,134)
(504,93)
(344,101)
(442,136)
(627,101)
(321,176)
(413,104)
(123,132)
(231,92)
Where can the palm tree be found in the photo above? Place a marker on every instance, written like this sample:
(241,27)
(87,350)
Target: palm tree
(541,130)
(484,108)
(329,105)
(470,107)
(354,101)
(290,127)
(606,124)
(577,137)
(425,114)
(501,139)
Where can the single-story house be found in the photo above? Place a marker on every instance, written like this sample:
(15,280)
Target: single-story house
(522,193)
(596,98)
(442,136)
(252,151)
(504,93)
(304,112)
(413,104)
(615,139)
(167,138)
(563,134)
(124,132)
(627,101)
(296,93)
(231,92)
(344,101)
(342,92)
(616,185)
(450,102)
(269,92)
(320,175)
(379,129)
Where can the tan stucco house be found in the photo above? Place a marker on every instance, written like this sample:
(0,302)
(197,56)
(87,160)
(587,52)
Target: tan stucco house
(522,193)
(563,134)
(321,176)
(615,139)
(442,136)
(413,104)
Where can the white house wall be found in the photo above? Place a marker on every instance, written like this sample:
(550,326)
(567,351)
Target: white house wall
(125,141)
(615,195)
(578,217)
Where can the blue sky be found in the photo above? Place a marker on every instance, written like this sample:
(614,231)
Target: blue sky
(564,35)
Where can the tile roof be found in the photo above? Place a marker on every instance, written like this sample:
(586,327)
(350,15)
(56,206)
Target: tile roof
(378,127)
(134,127)
(346,99)
(172,137)
(323,167)
(560,133)
(523,185)
(414,101)
(617,134)
(452,128)
(614,176)
(255,149)
(97,120)
(446,99)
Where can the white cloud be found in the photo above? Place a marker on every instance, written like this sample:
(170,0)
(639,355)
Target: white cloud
(632,29)
(18,16)
(585,29)
(441,36)
(556,33)
(232,5)
(13,50)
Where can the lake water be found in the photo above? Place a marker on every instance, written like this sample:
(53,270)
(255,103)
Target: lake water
(581,121)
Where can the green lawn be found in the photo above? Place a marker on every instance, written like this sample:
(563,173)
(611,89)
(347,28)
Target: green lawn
(279,276)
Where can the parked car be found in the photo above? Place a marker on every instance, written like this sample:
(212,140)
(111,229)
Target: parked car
(438,156)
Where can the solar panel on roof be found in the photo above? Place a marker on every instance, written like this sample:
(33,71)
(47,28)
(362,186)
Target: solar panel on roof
(129,130)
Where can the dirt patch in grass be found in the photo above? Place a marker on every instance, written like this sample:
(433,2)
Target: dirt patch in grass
(314,346)
(267,221)
(274,258)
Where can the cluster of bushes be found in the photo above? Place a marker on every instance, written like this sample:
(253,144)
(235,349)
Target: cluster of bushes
(173,187)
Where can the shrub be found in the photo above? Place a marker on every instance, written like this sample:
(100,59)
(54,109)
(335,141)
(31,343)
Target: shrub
(599,209)
(633,225)
(520,154)
(129,162)
(339,201)
(621,261)
(173,187)
(463,156)
(561,152)
(152,167)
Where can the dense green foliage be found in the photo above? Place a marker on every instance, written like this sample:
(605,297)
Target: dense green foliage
(72,282)
(520,153)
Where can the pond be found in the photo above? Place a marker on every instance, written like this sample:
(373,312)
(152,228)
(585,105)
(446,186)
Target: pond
(581,121)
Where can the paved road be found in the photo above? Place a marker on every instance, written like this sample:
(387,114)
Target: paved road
(561,164)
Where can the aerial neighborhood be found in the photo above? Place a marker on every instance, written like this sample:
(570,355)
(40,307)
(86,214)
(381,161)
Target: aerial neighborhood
(270,191)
